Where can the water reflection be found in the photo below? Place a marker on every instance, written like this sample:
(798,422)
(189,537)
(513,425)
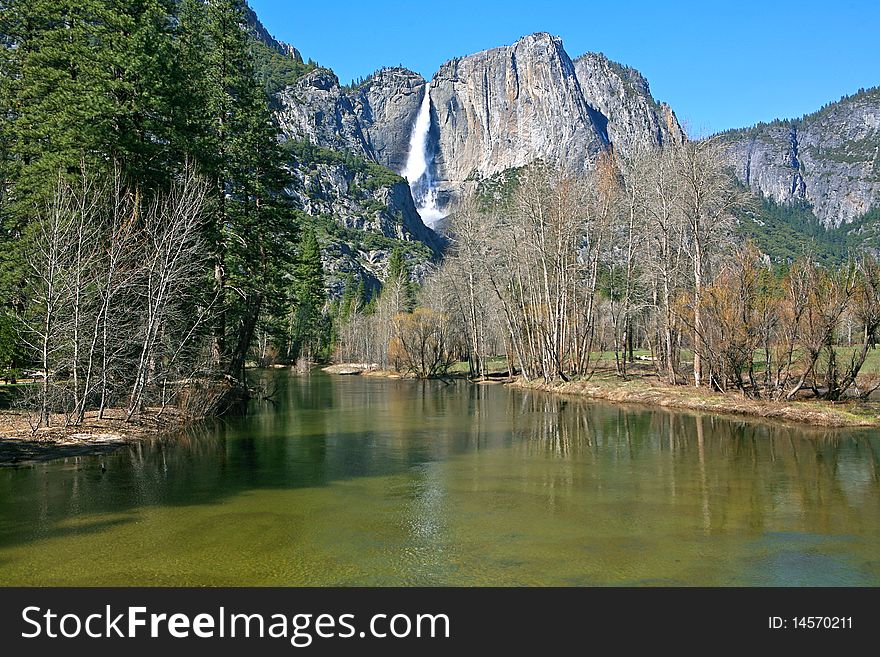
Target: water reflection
(350,480)
(736,469)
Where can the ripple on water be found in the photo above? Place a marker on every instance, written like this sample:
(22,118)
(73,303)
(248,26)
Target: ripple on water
(359,481)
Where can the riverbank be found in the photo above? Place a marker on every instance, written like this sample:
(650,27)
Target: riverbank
(646,390)
(20,444)
(497,368)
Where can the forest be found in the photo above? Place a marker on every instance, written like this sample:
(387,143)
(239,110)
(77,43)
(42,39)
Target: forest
(149,252)
(148,249)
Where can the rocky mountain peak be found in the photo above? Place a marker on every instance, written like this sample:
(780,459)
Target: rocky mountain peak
(386,105)
(259,32)
(490,111)
(508,106)
(625,109)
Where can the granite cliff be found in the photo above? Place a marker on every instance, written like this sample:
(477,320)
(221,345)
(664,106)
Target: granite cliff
(505,107)
(508,106)
(829,159)
(623,107)
(491,111)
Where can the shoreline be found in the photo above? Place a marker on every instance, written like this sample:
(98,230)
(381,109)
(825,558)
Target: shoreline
(376,371)
(20,446)
(638,391)
(642,390)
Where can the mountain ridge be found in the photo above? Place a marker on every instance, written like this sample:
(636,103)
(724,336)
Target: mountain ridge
(829,158)
(490,113)
(493,110)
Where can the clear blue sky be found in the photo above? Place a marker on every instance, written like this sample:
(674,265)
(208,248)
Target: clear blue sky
(719,64)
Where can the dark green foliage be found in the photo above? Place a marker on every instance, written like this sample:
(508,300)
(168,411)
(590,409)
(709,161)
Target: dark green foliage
(786,232)
(146,88)
(253,227)
(399,275)
(863,233)
(306,153)
(612,281)
(497,190)
(361,240)
(87,83)
(361,82)
(276,70)
(310,325)
(310,273)
(352,298)
(12,354)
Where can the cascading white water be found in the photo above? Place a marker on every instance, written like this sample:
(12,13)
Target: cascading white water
(418,166)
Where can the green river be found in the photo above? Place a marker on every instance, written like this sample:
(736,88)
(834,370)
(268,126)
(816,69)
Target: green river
(365,481)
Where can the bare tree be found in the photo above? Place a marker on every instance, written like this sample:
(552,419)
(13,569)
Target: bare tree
(423,343)
(48,255)
(708,194)
(172,251)
(116,289)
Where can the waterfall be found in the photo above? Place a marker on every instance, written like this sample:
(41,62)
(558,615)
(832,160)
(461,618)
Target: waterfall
(419,163)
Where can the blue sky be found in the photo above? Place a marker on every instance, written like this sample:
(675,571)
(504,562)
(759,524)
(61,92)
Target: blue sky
(720,65)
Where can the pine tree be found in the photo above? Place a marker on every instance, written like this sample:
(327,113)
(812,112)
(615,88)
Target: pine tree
(350,302)
(190,87)
(88,88)
(308,327)
(398,281)
(141,54)
(82,84)
(146,87)
(236,145)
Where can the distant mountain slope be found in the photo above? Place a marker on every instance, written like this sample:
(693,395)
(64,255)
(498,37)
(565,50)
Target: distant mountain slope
(372,120)
(501,108)
(829,159)
(361,209)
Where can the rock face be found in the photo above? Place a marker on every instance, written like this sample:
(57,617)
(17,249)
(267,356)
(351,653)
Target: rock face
(353,201)
(831,158)
(490,111)
(386,106)
(373,121)
(362,211)
(506,107)
(257,30)
(316,110)
(623,106)
(350,198)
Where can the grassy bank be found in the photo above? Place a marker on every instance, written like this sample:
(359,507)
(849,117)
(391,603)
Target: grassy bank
(642,389)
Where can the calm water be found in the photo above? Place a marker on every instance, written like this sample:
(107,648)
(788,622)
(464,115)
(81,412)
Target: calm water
(354,481)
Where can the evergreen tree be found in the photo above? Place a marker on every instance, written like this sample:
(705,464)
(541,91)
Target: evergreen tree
(350,302)
(191,88)
(82,84)
(86,85)
(252,230)
(146,87)
(398,281)
(309,329)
